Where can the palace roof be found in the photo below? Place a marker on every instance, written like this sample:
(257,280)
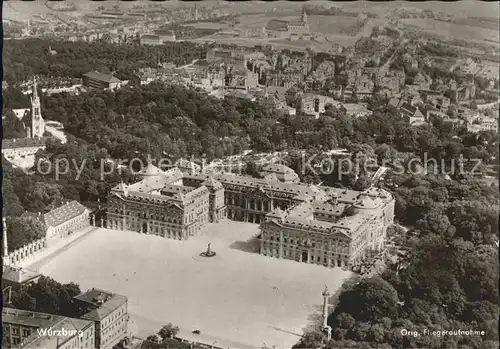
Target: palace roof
(278,168)
(175,189)
(326,208)
(366,203)
(103,77)
(271,177)
(150,170)
(212,183)
(276,213)
(151,187)
(63,213)
(312,225)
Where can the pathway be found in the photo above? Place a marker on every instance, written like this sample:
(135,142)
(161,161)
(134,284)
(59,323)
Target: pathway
(148,327)
(57,133)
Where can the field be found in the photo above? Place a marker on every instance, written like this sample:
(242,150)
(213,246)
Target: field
(334,24)
(23,11)
(479,22)
(260,20)
(455,8)
(451,30)
(208,25)
(237,296)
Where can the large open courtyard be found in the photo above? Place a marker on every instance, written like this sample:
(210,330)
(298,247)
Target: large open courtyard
(236,296)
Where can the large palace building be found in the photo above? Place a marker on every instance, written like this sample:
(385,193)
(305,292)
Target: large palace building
(162,204)
(307,223)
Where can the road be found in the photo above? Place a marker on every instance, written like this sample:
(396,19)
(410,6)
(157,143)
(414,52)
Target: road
(57,133)
(189,64)
(148,327)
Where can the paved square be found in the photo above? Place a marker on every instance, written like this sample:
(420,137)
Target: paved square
(237,295)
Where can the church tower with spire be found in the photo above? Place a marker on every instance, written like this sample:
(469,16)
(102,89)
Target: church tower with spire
(5,252)
(195,13)
(37,123)
(303,19)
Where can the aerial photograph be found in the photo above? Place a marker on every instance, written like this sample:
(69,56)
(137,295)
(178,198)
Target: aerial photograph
(250,175)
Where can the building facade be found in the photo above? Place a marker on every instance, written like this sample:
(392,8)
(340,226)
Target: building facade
(293,30)
(29,329)
(21,147)
(332,230)
(321,225)
(163,204)
(108,312)
(63,221)
(98,80)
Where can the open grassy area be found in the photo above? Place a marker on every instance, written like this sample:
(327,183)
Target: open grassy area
(207,25)
(451,31)
(334,24)
(237,295)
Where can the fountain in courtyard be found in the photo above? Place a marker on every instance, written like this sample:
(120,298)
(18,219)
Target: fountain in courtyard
(208,252)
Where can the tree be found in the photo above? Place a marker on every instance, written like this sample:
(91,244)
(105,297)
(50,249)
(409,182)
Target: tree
(436,222)
(48,296)
(12,204)
(383,152)
(252,169)
(310,340)
(369,300)
(24,230)
(168,331)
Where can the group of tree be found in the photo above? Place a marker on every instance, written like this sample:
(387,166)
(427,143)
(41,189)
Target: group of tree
(446,276)
(172,121)
(157,120)
(24,230)
(22,59)
(164,339)
(47,296)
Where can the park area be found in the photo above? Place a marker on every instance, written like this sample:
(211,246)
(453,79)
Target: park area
(335,24)
(237,297)
(452,31)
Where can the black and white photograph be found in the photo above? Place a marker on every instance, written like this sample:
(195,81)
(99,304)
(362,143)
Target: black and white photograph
(250,174)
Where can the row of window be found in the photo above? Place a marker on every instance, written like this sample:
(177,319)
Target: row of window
(334,249)
(114,325)
(113,317)
(71,224)
(15,331)
(310,259)
(112,336)
(296,250)
(308,242)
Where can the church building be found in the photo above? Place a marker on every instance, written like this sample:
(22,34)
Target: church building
(21,148)
(36,127)
(293,30)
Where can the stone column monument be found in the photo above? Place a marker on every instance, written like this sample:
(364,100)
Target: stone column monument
(5,256)
(326,329)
